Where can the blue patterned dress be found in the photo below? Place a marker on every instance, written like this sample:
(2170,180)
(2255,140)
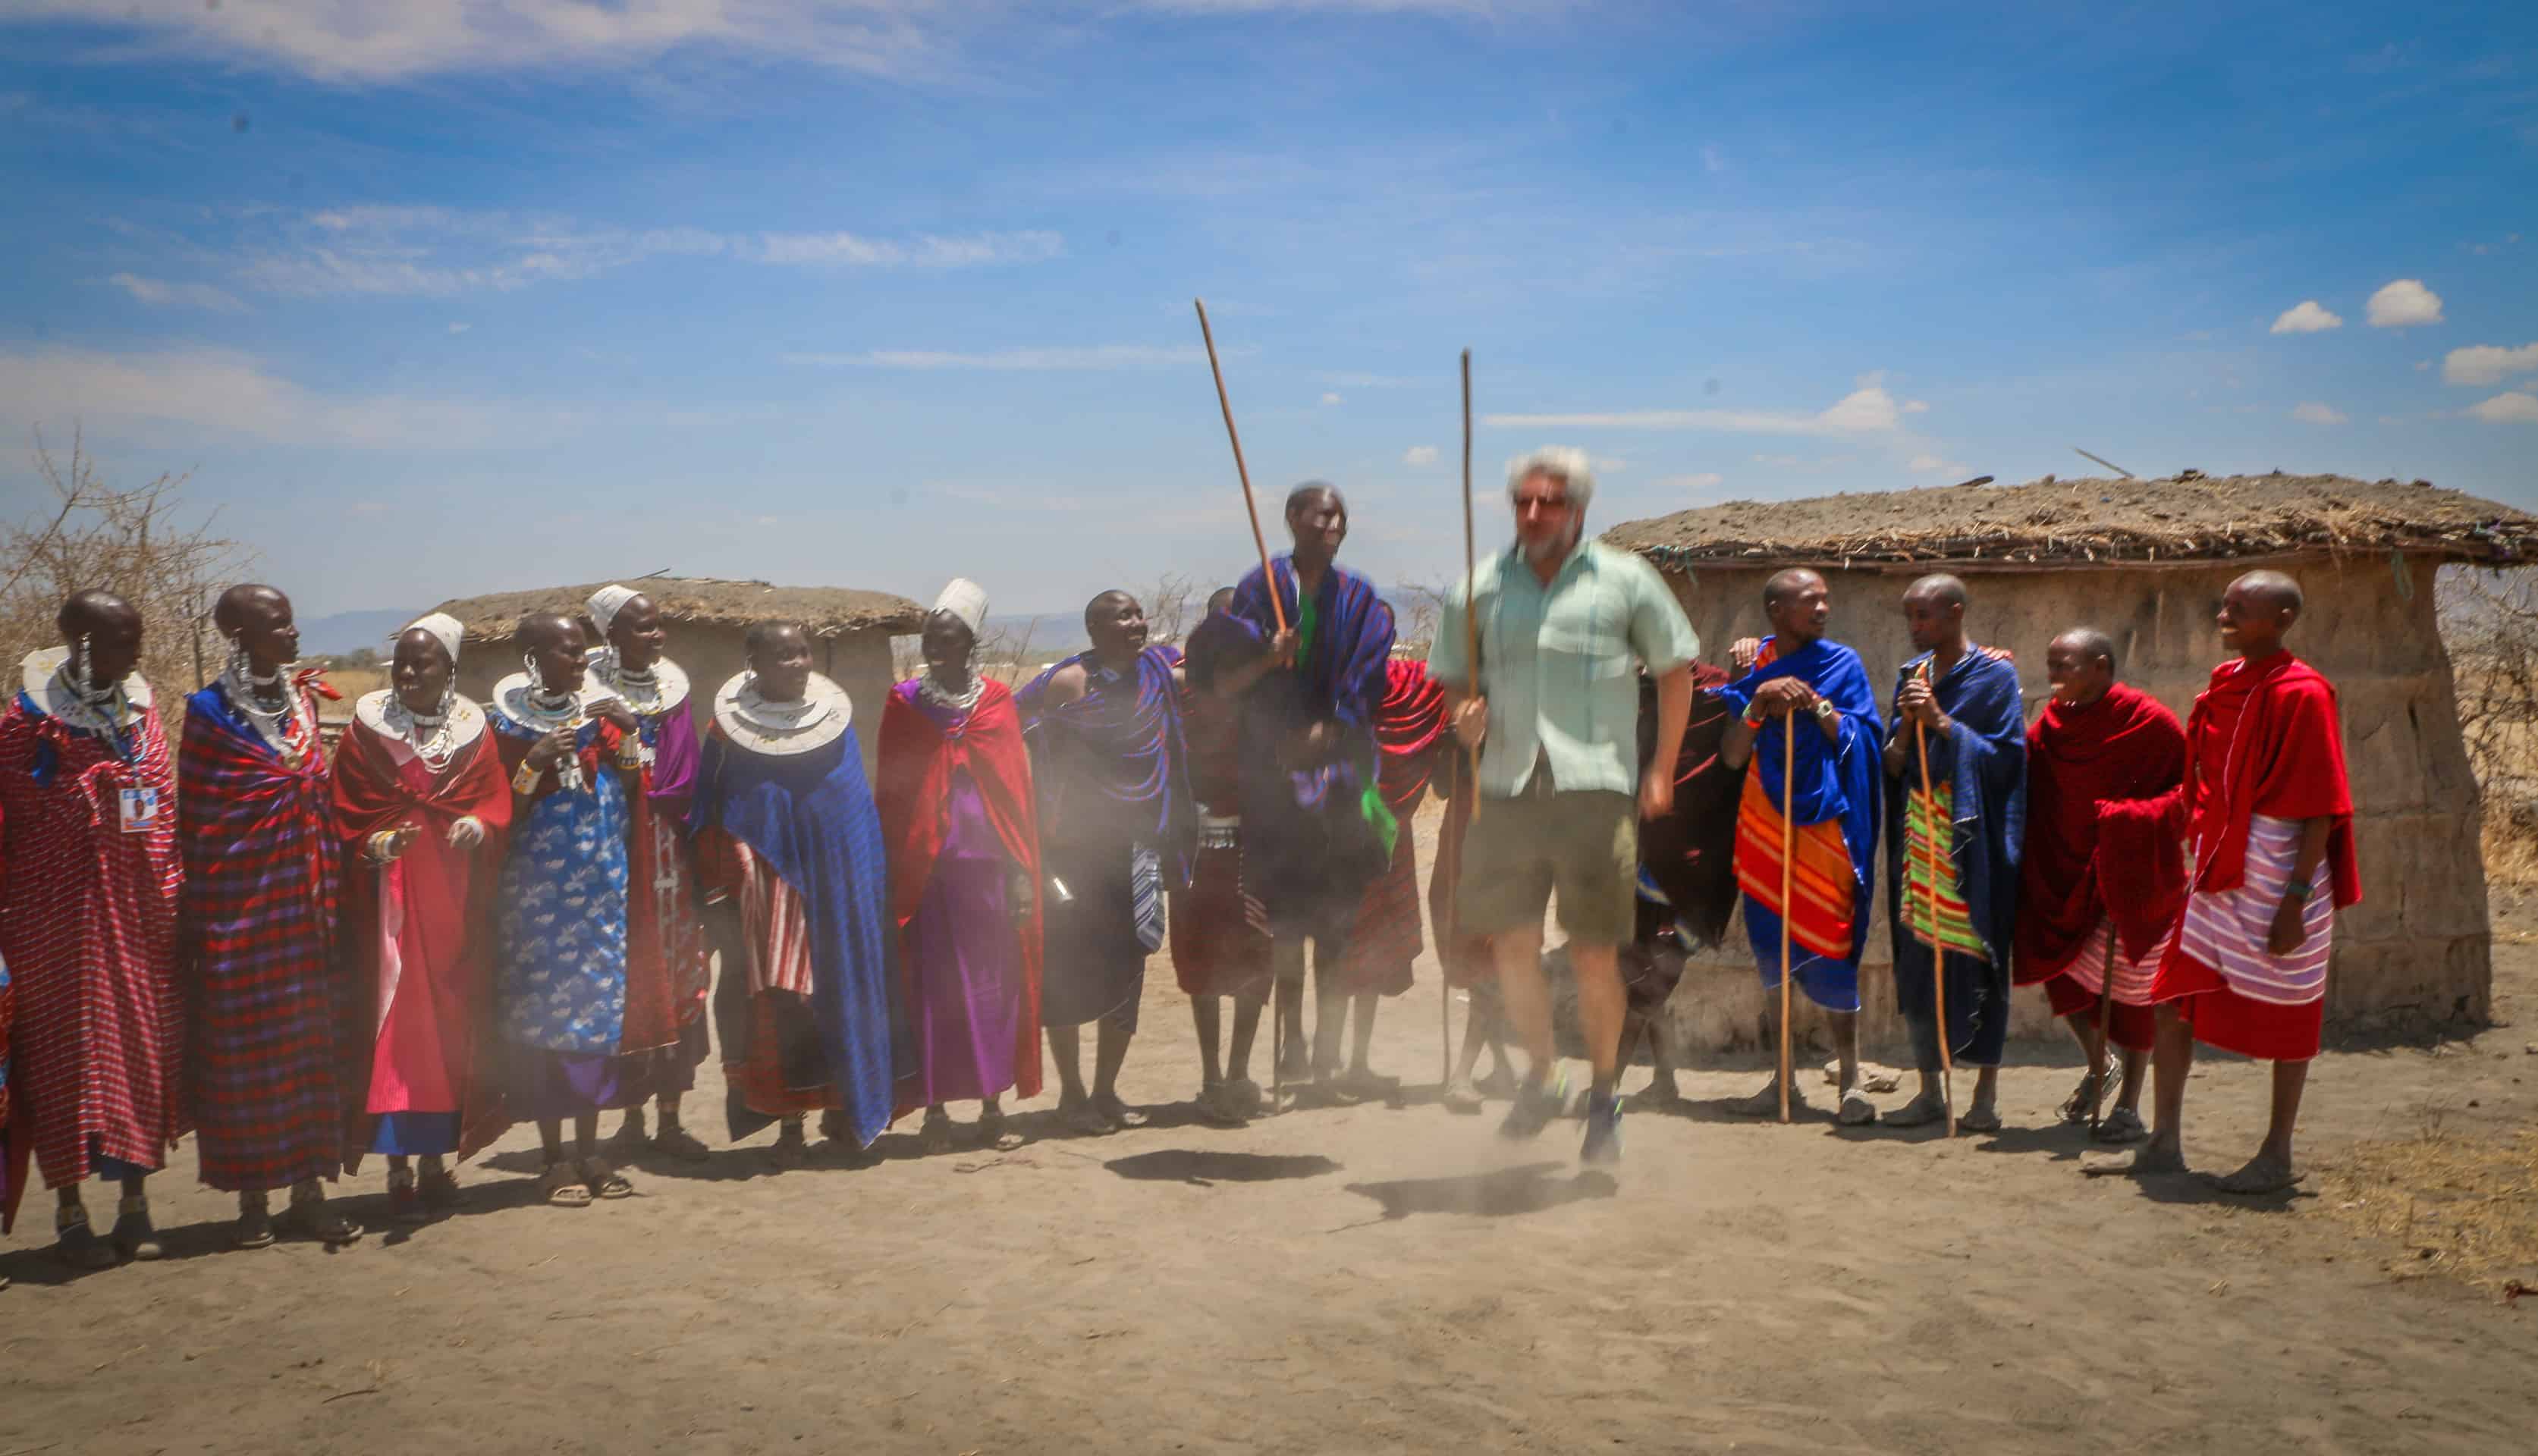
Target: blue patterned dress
(560,983)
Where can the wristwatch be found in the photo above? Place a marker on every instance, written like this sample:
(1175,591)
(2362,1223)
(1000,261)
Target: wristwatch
(1825,707)
(2298,890)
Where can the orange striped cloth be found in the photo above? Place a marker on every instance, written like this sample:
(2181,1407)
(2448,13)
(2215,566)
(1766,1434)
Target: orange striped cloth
(1956,922)
(1822,882)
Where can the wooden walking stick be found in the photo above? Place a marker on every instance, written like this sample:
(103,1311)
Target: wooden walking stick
(2106,1005)
(1938,952)
(1277,603)
(1471,783)
(1788,858)
(1277,611)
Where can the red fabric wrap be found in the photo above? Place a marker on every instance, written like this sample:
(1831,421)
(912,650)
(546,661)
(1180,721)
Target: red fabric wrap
(2095,845)
(2264,738)
(914,794)
(371,796)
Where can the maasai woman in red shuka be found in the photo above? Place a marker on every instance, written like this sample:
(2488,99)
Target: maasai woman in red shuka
(256,821)
(1409,734)
(2268,815)
(2099,886)
(87,925)
(1218,928)
(664,1039)
(958,812)
(423,811)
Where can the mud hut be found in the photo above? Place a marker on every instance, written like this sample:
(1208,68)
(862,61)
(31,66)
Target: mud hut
(2146,561)
(706,618)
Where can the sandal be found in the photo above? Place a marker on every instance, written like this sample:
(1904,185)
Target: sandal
(1115,1112)
(995,1133)
(790,1152)
(312,1216)
(1215,1109)
(674,1141)
(2075,1107)
(2124,1125)
(563,1187)
(1461,1096)
(935,1135)
(254,1227)
(133,1234)
(76,1244)
(405,1200)
(605,1181)
(440,1189)
(1085,1121)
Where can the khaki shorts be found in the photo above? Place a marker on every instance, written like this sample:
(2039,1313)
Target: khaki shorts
(1583,844)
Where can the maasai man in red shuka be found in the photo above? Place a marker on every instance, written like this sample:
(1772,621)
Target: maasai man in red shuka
(1409,735)
(958,812)
(1219,929)
(2269,815)
(2099,885)
(424,812)
(88,924)
(664,1039)
(255,816)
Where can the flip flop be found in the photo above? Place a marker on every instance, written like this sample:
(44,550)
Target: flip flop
(1119,1113)
(1213,1107)
(605,1181)
(1085,1121)
(994,1132)
(674,1141)
(562,1186)
(935,1134)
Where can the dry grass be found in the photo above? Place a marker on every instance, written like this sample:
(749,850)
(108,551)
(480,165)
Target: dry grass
(2461,1205)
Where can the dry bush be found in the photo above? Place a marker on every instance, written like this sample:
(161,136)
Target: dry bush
(2464,1205)
(140,544)
(2490,624)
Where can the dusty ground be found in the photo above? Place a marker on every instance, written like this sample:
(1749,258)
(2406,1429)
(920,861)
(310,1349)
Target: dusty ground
(1357,1280)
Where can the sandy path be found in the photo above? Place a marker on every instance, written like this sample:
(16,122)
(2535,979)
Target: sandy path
(1344,1280)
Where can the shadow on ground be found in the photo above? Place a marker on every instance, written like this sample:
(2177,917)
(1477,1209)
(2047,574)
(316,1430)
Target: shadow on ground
(1529,1189)
(1205,1169)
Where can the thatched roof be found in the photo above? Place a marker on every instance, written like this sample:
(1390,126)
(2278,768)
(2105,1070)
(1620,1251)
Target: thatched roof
(703,601)
(2188,517)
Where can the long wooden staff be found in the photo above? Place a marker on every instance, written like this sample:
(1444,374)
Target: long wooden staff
(2106,1005)
(1789,857)
(1471,783)
(1277,611)
(1938,951)
(1268,579)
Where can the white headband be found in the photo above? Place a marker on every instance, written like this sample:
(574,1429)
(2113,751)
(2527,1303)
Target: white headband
(967,601)
(444,628)
(605,603)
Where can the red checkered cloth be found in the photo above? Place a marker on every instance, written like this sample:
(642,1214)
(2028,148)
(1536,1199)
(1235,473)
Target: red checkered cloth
(88,924)
(259,919)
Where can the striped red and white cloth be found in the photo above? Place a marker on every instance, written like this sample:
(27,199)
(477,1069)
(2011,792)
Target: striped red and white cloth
(2132,977)
(774,924)
(2227,929)
(88,923)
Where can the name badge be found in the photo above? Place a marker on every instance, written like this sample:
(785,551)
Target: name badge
(140,810)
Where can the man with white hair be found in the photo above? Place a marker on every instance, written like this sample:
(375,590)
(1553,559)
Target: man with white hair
(1553,707)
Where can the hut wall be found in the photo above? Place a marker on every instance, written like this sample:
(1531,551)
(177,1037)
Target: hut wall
(2417,950)
(857,661)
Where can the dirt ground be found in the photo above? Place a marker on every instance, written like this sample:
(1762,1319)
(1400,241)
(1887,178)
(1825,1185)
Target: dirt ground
(1362,1279)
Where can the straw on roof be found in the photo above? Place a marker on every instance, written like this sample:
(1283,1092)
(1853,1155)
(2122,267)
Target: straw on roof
(703,601)
(2188,517)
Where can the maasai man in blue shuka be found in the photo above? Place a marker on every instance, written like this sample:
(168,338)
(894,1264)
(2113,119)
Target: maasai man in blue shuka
(789,848)
(1316,831)
(1964,699)
(1119,826)
(1835,807)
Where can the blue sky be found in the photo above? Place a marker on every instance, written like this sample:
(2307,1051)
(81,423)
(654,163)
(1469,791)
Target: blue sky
(437,298)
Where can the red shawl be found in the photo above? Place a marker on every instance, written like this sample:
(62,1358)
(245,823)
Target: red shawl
(2265,740)
(2093,852)
(1409,723)
(918,757)
(373,796)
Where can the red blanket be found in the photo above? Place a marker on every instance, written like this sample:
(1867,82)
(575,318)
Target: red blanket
(1409,728)
(2265,739)
(447,899)
(2094,849)
(917,760)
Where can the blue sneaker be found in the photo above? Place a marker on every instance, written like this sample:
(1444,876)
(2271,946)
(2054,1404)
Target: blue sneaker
(1535,1106)
(1603,1132)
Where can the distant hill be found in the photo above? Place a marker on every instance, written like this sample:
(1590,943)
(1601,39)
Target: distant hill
(350,631)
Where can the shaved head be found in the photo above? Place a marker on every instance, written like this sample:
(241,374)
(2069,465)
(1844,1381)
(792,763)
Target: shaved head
(1782,583)
(763,635)
(1308,492)
(93,611)
(1103,608)
(2274,590)
(1221,601)
(230,613)
(545,629)
(1942,588)
(2090,644)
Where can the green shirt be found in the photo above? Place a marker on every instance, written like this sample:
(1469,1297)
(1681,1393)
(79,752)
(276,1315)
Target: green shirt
(1557,664)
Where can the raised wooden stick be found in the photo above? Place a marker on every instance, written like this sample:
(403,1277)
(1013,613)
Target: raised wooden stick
(1938,952)
(1268,579)
(1788,859)
(2106,1005)
(1471,783)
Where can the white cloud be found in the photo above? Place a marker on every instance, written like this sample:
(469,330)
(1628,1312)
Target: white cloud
(1916,407)
(1705,480)
(1868,410)
(2307,316)
(157,294)
(1713,161)
(1608,464)
(460,328)
(1420,455)
(2317,414)
(218,392)
(1329,398)
(2488,363)
(2516,407)
(1093,357)
(2404,303)
(847,249)
(1928,464)
(2422,365)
